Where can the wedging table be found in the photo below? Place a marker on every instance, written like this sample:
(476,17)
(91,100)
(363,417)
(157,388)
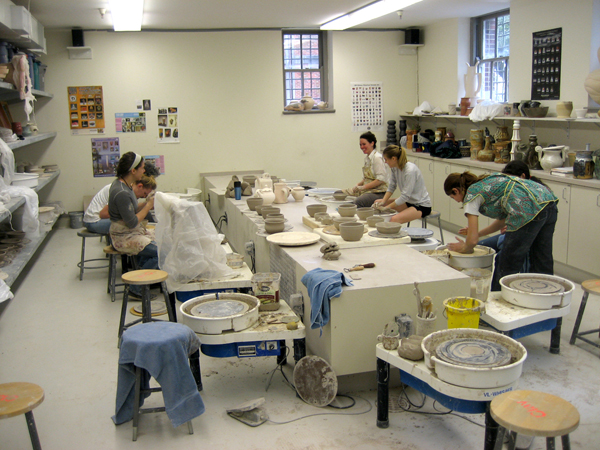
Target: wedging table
(418,376)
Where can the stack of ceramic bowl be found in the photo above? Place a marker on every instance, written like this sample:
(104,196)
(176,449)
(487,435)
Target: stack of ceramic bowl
(269,210)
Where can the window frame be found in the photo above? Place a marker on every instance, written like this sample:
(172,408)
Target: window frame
(477,52)
(323,68)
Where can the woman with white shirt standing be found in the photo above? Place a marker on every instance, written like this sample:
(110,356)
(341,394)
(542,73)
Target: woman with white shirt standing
(414,202)
(375,176)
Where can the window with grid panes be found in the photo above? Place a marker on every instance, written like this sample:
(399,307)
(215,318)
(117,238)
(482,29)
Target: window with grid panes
(492,45)
(303,65)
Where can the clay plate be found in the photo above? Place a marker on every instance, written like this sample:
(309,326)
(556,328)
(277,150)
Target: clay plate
(294,238)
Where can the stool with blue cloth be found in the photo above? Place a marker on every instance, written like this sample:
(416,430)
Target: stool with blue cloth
(323,285)
(160,350)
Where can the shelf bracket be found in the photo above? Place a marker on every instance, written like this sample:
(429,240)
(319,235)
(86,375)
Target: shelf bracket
(80,52)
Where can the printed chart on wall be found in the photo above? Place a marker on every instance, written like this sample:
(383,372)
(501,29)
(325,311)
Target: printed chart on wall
(168,125)
(86,110)
(105,156)
(367,106)
(158,161)
(546,62)
(130,122)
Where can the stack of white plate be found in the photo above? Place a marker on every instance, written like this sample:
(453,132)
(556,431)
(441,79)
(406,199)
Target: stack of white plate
(25,179)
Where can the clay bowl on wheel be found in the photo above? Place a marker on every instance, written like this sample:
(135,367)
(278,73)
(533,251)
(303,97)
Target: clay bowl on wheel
(364,213)
(388,227)
(253,202)
(347,209)
(315,208)
(339,195)
(352,231)
(338,220)
(374,220)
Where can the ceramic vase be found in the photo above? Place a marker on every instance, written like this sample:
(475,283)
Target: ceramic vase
(564,109)
(267,195)
(308,102)
(282,192)
(298,193)
(532,158)
(552,157)
(486,154)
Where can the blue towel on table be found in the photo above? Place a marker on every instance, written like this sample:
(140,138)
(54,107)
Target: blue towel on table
(162,348)
(323,285)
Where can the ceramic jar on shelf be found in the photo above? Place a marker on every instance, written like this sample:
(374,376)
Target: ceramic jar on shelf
(308,102)
(583,167)
(552,157)
(564,109)
(486,154)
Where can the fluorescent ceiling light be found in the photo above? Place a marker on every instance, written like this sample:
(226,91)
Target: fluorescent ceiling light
(369,12)
(127,14)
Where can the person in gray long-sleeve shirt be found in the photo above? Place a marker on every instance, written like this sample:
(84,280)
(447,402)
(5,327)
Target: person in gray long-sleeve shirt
(414,202)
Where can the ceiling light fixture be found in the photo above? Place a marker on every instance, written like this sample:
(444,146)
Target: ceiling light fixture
(127,14)
(369,12)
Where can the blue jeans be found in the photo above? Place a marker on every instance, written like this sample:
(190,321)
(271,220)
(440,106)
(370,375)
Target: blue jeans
(147,259)
(534,239)
(101,227)
(497,242)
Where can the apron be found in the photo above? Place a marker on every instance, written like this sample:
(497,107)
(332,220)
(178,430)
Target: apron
(130,241)
(369,176)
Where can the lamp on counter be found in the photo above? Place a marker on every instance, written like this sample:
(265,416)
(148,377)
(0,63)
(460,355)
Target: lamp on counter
(367,13)
(127,14)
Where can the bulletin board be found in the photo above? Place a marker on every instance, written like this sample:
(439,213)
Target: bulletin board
(86,110)
(367,106)
(130,122)
(546,64)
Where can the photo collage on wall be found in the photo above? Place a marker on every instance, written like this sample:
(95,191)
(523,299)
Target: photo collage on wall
(130,122)
(158,161)
(168,125)
(367,106)
(105,156)
(86,110)
(546,64)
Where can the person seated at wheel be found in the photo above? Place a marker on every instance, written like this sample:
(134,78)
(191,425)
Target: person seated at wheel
(375,176)
(414,202)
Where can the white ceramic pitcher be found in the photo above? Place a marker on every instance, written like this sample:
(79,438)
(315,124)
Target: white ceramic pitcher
(282,192)
(267,195)
(264,181)
(552,157)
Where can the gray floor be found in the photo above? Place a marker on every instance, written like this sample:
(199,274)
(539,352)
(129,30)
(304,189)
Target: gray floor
(60,333)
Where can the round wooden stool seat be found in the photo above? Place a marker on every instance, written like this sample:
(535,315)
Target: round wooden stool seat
(591,286)
(19,398)
(141,277)
(534,413)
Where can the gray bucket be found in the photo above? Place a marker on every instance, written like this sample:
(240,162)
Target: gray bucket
(76,219)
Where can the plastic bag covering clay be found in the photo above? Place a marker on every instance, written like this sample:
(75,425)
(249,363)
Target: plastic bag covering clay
(22,81)
(189,247)
(486,110)
(8,162)
(31,225)
(5,293)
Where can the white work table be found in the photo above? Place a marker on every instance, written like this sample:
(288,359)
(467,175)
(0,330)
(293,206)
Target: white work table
(362,310)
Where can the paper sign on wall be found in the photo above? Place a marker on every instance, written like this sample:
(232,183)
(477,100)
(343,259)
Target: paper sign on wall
(105,156)
(86,110)
(367,106)
(168,125)
(130,122)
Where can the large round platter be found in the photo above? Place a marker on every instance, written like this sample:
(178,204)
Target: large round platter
(473,353)
(377,234)
(294,238)
(315,381)
(536,290)
(321,191)
(418,233)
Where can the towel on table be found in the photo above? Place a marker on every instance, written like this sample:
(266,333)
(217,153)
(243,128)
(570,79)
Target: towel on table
(162,348)
(323,285)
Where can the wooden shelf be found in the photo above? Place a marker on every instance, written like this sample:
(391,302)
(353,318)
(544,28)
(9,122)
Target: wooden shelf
(525,119)
(31,140)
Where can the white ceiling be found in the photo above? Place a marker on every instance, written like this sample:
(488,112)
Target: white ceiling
(226,14)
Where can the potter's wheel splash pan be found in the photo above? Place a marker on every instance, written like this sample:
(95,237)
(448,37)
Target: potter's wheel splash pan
(536,290)
(216,313)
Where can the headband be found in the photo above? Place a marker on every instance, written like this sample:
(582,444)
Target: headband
(136,161)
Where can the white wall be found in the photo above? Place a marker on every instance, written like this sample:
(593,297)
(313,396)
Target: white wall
(228,88)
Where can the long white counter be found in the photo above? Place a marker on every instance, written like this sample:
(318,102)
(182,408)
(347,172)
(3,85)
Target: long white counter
(361,312)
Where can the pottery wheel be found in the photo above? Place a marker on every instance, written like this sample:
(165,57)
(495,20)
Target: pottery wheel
(537,286)
(418,233)
(473,352)
(315,381)
(377,234)
(157,308)
(219,308)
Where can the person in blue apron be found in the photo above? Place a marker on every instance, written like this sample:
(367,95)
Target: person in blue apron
(375,176)
(527,209)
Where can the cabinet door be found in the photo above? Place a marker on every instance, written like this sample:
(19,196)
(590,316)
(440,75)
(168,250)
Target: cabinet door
(441,202)
(560,243)
(584,242)
(426,167)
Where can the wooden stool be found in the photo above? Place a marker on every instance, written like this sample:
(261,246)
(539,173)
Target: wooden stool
(84,234)
(589,287)
(144,278)
(534,413)
(434,215)
(21,398)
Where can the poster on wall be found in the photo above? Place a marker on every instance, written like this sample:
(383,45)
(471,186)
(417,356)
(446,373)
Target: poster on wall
(367,106)
(168,125)
(130,122)
(158,161)
(546,64)
(105,156)
(86,110)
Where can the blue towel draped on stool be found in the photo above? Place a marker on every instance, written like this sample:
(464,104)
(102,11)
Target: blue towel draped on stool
(323,285)
(162,348)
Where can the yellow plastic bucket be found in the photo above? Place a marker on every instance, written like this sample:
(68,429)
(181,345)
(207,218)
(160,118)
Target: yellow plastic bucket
(463,312)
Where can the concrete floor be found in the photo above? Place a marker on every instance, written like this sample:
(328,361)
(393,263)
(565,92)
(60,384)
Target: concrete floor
(61,333)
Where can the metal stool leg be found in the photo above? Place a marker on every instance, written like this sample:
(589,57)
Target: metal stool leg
(33,434)
(123,312)
(579,317)
(82,263)
(169,303)
(146,306)
(440,226)
(190,428)
(195,367)
(136,401)
(550,445)
(566,443)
